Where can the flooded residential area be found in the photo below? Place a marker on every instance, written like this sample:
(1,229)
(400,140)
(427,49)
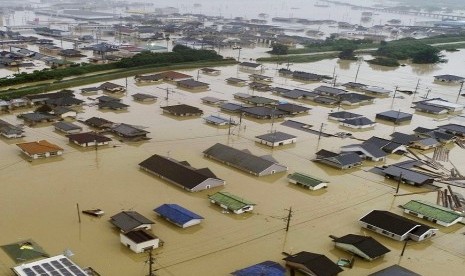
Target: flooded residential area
(331,167)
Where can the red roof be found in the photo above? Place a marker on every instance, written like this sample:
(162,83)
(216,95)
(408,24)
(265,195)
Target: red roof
(38,147)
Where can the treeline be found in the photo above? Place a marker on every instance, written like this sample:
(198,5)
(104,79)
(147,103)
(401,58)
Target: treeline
(180,54)
(409,49)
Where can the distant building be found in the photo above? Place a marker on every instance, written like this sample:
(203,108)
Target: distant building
(449,78)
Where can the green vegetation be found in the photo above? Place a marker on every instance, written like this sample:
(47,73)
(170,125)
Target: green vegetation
(409,48)
(299,58)
(348,53)
(180,54)
(279,49)
(384,61)
(107,76)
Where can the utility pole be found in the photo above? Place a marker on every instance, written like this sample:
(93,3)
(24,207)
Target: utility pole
(288,219)
(334,82)
(198,75)
(427,93)
(151,261)
(416,88)
(229,126)
(239,55)
(321,130)
(126,85)
(394,97)
(358,69)
(460,92)
(398,183)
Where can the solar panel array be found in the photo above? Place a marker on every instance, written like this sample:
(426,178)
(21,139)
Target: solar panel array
(53,267)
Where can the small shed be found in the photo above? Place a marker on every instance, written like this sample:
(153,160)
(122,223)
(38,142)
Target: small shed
(394,116)
(307,181)
(139,240)
(178,215)
(231,202)
(276,138)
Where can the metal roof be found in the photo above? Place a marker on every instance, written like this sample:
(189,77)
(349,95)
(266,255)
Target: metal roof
(431,210)
(306,179)
(231,201)
(275,137)
(129,220)
(369,246)
(176,214)
(267,268)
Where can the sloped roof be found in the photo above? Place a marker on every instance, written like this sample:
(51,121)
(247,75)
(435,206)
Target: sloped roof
(176,171)
(267,268)
(317,263)
(39,147)
(395,270)
(306,179)
(241,159)
(390,222)
(140,236)
(369,148)
(128,220)
(229,200)
(192,83)
(344,115)
(66,126)
(361,121)
(431,210)
(88,137)
(289,107)
(275,137)
(367,245)
(182,109)
(176,213)
(408,175)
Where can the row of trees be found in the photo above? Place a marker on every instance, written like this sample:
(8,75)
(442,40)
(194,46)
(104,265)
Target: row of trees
(180,54)
(410,48)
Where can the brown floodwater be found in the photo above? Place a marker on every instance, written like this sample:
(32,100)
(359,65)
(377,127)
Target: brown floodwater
(38,199)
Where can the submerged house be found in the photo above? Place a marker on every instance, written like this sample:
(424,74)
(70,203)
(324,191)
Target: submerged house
(366,150)
(67,127)
(276,138)
(112,87)
(250,66)
(449,78)
(129,132)
(10,131)
(128,221)
(40,149)
(231,202)
(244,160)
(396,227)
(312,264)
(236,81)
(193,85)
(345,160)
(181,174)
(363,246)
(88,139)
(268,268)
(139,240)
(307,181)
(182,110)
(178,215)
(432,212)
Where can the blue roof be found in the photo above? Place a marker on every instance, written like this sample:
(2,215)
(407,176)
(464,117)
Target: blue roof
(267,268)
(176,213)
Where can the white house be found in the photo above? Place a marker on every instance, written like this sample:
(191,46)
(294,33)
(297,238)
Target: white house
(274,139)
(139,240)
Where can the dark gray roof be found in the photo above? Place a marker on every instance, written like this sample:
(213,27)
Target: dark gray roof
(449,77)
(241,159)
(454,129)
(65,101)
(390,222)
(408,175)
(129,220)
(393,114)
(370,148)
(37,117)
(292,108)
(395,270)
(249,64)
(98,122)
(192,83)
(319,264)
(384,144)
(235,80)
(280,90)
(88,137)
(429,108)
(182,109)
(176,171)
(105,98)
(344,115)
(232,107)
(142,96)
(275,137)
(113,105)
(404,139)
(355,97)
(361,121)
(330,90)
(367,245)
(66,126)
(263,111)
(128,130)
(354,85)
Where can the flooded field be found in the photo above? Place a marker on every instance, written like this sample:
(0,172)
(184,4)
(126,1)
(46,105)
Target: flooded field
(38,198)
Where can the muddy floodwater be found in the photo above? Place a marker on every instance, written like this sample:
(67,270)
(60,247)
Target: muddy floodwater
(38,199)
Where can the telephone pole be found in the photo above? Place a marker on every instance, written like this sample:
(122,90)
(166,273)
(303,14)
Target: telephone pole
(288,219)
(151,261)
(460,92)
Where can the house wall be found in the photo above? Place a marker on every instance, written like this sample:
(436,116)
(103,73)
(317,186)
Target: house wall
(280,143)
(192,222)
(138,247)
(91,144)
(383,232)
(275,168)
(357,127)
(426,235)
(207,184)
(43,155)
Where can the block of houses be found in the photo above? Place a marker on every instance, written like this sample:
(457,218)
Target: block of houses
(67,127)
(144,98)
(191,84)
(181,174)
(129,132)
(268,268)
(363,246)
(312,264)
(345,160)
(231,202)
(88,139)
(40,149)
(394,116)
(250,66)
(155,78)
(182,110)
(432,212)
(212,100)
(276,138)
(263,112)
(219,121)
(10,131)
(449,78)
(366,150)
(307,181)
(178,215)
(396,227)
(128,221)
(236,81)
(358,123)
(394,270)
(244,160)
(139,240)
(112,87)
(210,71)
(440,104)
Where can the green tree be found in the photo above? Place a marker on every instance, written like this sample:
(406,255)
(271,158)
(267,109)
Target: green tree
(279,49)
